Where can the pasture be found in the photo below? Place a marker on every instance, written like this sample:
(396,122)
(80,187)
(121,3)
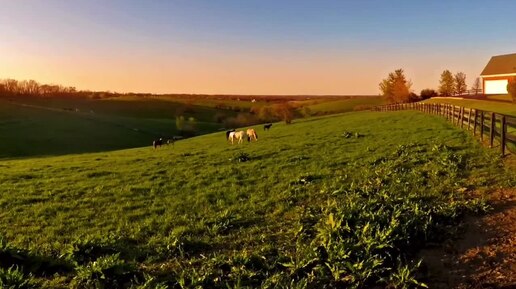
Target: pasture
(323,107)
(507,108)
(57,126)
(45,126)
(343,200)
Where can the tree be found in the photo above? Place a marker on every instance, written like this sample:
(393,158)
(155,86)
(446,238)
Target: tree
(11,85)
(396,88)
(446,84)
(306,111)
(284,111)
(476,87)
(511,88)
(460,83)
(180,122)
(428,93)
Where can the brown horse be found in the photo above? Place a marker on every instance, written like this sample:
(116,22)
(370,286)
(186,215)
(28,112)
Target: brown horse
(251,134)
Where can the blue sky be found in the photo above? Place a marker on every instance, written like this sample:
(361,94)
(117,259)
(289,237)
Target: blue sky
(252,47)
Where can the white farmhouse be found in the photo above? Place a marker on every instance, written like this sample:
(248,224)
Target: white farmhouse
(497,73)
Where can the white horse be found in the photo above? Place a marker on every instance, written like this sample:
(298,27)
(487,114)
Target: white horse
(238,135)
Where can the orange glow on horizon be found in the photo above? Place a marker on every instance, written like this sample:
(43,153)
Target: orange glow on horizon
(217,72)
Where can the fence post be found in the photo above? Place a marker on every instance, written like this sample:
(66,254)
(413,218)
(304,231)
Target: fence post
(475,122)
(458,115)
(469,118)
(461,117)
(492,130)
(457,108)
(482,125)
(503,135)
(453,115)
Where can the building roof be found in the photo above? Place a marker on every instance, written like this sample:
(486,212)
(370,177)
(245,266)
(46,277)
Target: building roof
(501,64)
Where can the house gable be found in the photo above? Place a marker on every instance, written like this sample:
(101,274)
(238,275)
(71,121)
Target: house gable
(500,65)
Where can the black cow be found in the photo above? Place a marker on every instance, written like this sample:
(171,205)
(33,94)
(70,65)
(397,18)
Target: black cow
(267,126)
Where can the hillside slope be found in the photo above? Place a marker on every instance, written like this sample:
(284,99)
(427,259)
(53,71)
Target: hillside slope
(359,192)
(57,126)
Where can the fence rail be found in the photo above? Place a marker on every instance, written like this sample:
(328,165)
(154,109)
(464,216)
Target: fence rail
(489,126)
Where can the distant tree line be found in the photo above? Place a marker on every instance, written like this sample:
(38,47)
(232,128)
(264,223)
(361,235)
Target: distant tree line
(396,88)
(32,87)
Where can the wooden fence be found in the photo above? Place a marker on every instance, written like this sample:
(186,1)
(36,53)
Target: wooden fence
(490,126)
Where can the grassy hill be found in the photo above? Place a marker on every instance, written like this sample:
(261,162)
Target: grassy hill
(39,126)
(333,201)
(507,108)
(343,105)
(56,126)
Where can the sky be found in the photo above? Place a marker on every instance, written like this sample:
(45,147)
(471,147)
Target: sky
(250,46)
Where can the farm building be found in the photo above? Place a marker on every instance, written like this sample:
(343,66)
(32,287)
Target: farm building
(497,73)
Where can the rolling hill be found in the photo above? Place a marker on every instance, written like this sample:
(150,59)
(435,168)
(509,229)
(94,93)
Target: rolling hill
(341,200)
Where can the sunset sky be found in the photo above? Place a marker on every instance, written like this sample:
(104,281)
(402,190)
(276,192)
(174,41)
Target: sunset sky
(249,46)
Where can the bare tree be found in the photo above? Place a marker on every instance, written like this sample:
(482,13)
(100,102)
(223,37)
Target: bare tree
(476,87)
(460,83)
(11,85)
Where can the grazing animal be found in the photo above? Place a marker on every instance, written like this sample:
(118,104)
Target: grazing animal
(239,135)
(173,140)
(267,126)
(157,143)
(251,134)
(231,136)
(236,135)
(228,132)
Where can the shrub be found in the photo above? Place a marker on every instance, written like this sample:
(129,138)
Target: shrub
(242,157)
(413,97)
(428,93)
(511,88)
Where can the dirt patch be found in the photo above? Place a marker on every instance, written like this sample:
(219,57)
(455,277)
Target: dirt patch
(485,255)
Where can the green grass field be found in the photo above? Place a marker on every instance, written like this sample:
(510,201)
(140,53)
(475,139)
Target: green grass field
(500,97)
(56,126)
(507,108)
(338,201)
(36,126)
(344,105)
